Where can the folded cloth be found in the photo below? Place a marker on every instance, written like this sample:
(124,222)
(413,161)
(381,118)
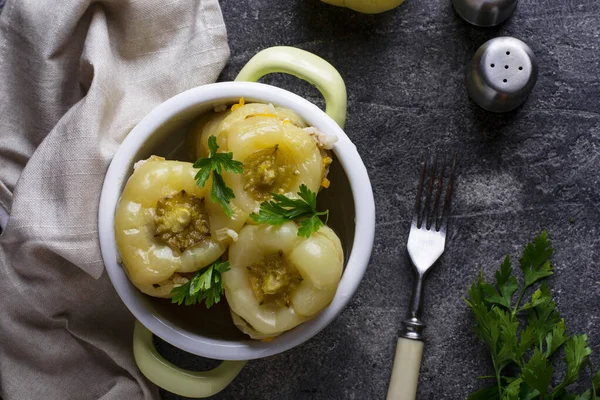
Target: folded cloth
(75,77)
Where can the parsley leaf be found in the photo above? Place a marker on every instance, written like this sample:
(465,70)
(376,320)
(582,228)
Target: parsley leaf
(205,285)
(535,262)
(541,297)
(596,382)
(489,393)
(309,225)
(271,213)
(506,349)
(221,193)
(513,389)
(537,373)
(216,163)
(506,283)
(543,317)
(576,356)
(584,396)
(282,209)
(522,340)
(556,338)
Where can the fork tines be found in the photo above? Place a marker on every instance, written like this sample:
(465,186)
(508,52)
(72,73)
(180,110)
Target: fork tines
(432,180)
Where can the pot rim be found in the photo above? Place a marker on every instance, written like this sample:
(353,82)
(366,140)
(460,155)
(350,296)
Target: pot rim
(213,95)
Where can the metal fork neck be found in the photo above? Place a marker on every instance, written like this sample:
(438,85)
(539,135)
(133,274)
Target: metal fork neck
(413,326)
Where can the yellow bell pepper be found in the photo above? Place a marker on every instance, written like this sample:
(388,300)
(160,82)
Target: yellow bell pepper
(366,6)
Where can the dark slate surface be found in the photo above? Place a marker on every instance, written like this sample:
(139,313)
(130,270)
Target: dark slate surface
(533,169)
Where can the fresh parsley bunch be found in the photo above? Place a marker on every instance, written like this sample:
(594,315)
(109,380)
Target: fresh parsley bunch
(215,163)
(206,285)
(282,209)
(524,339)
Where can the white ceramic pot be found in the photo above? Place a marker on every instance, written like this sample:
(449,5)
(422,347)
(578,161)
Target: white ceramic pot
(351,200)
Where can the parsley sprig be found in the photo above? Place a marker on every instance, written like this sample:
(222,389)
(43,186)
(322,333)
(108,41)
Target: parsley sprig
(205,285)
(524,338)
(283,209)
(215,163)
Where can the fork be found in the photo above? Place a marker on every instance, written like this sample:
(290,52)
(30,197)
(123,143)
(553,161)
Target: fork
(426,242)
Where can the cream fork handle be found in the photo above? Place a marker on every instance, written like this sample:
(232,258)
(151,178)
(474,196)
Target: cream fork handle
(405,374)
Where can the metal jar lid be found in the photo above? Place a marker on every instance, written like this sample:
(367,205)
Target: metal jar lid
(502,74)
(484,13)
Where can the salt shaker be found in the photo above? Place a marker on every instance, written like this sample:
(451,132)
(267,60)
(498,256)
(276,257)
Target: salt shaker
(502,74)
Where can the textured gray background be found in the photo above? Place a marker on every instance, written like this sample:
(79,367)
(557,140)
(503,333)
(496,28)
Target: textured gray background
(533,169)
(522,172)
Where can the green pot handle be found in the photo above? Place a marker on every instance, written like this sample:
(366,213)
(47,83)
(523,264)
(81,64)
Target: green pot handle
(303,65)
(175,379)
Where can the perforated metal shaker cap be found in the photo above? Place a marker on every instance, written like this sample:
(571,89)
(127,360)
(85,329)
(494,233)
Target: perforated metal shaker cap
(484,13)
(502,74)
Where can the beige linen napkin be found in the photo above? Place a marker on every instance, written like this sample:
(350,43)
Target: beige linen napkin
(75,77)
